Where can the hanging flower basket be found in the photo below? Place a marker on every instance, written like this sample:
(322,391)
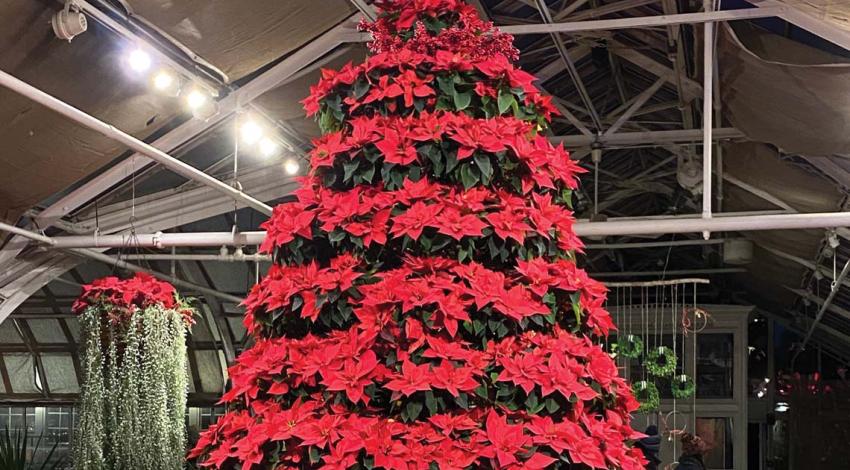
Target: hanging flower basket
(646,393)
(683,386)
(630,346)
(134,384)
(661,362)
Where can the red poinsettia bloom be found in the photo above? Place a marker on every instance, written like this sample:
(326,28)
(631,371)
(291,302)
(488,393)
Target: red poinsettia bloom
(454,379)
(507,439)
(413,86)
(353,377)
(457,225)
(414,220)
(509,225)
(326,148)
(397,148)
(413,378)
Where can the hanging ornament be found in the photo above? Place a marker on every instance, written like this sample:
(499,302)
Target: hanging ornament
(630,346)
(646,393)
(683,386)
(661,362)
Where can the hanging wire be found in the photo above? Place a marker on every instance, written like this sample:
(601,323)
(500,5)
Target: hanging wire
(674,293)
(694,359)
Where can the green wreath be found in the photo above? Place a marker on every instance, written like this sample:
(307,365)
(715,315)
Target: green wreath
(630,346)
(661,362)
(646,393)
(683,386)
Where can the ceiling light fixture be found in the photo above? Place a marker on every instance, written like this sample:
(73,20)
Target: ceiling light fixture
(291,166)
(166,83)
(69,22)
(251,132)
(139,60)
(268,147)
(201,104)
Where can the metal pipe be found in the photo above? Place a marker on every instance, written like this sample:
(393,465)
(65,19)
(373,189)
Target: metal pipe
(707,116)
(161,240)
(26,233)
(836,286)
(662,244)
(133,143)
(647,138)
(231,258)
(679,272)
(98,256)
(621,23)
(647,226)
(715,224)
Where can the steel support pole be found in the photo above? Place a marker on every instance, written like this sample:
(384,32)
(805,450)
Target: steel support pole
(707,115)
(98,256)
(133,143)
(836,286)
(161,240)
(4,227)
(647,226)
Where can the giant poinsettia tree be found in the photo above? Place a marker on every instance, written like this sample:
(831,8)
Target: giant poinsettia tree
(425,309)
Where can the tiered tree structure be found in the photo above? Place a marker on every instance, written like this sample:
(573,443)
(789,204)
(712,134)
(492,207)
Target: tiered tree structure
(425,309)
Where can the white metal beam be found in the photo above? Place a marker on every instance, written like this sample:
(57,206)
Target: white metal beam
(143,148)
(636,105)
(643,21)
(722,222)
(648,138)
(268,80)
(803,19)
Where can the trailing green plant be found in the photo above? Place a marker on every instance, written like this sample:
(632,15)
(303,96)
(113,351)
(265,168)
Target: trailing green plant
(660,361)
(16,453)
(133,400)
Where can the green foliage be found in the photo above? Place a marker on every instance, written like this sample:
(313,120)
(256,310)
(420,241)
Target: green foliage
(133,401)
(683,386)
(16,454)
(647,394)
(661,361)
(630,346)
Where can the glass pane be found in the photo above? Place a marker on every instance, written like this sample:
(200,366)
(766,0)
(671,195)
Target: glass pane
(717,433)
(715,365)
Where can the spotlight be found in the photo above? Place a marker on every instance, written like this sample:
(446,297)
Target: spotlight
(166,83)
(291,166)
(195,99)
(268,147)
(251,132)
(139,60)
(200,104)
(782,407)
(68,23)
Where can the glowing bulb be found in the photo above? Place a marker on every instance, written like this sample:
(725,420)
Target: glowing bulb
(166,83)
(163,80)
(291,166)
(251,132)
(268,147)
(195,99)
(139,60)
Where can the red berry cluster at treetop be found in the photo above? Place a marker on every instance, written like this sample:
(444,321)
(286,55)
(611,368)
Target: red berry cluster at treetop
(425,309)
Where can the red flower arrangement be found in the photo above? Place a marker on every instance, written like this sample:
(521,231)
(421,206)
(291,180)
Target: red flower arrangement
(425,307)
(125,296)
